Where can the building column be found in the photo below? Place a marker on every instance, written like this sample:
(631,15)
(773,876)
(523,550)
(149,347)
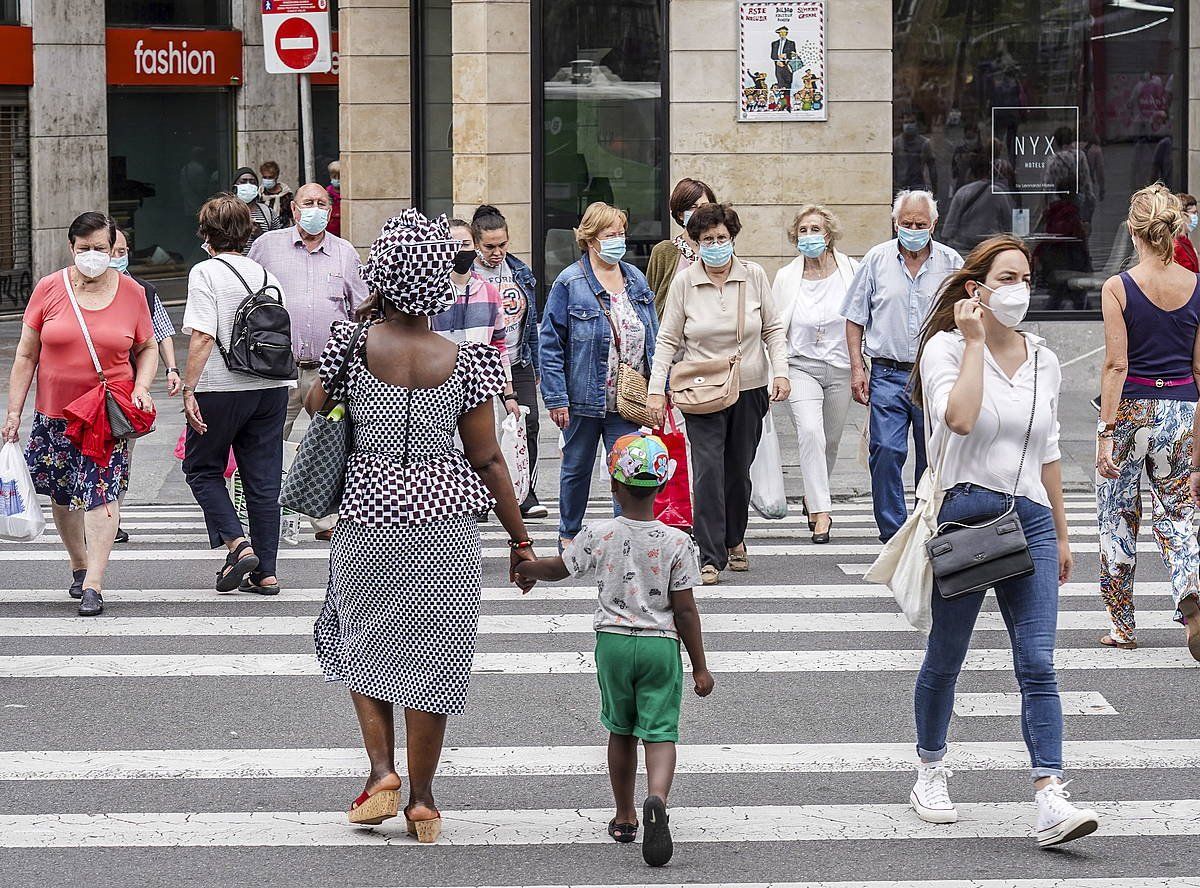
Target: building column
(767,169)
(376,127)
(492,133)
(68,123)
(268,114)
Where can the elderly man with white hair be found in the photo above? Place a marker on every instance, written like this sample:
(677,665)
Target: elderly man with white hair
(885,307)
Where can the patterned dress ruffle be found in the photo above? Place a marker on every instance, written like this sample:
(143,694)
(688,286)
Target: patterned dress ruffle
(61,472)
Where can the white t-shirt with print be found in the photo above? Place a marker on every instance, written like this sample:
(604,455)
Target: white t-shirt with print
(512,302)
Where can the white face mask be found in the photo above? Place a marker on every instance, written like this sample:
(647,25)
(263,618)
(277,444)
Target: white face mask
(92,263)
(1008,303)
(247,191)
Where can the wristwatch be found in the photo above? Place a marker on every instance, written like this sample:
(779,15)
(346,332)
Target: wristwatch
(188,390)
(171,370)
(1102,427)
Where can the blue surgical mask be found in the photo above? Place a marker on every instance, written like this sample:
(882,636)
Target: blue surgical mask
(1193,220)
(716,255)
(687,214)
(335,183)
(811,245)
(314,219)
(612,249)
(913,239)
(247,191)
(268,184)
(121,264)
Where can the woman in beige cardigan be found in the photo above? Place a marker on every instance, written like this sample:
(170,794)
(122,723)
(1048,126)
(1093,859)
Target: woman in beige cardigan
(701,318)
(672,256)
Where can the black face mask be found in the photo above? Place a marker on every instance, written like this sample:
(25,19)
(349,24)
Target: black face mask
(463,260)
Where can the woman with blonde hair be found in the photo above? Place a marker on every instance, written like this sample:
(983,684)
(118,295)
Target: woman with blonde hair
(1148,418)
(590,301)
(809,292)
(990,396)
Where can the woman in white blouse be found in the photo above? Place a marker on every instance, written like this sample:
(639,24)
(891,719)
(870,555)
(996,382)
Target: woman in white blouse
(980,381)
(809,292)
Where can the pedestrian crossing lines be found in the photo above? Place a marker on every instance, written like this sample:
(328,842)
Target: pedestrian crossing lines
(186,721)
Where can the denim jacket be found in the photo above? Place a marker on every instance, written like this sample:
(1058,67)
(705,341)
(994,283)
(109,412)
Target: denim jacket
(524,278)
(575,337)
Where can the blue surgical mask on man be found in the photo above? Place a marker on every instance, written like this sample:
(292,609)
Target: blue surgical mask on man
(716,255)
(612,249)
(314,219)
(120,263)
(811,245)
(913,239)
(247,191)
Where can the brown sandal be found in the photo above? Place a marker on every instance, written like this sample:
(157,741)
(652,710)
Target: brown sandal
(381,805)
(426,831)
(1109,641)
(739,561)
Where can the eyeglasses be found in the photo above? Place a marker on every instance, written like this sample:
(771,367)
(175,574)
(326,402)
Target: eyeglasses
(714,241)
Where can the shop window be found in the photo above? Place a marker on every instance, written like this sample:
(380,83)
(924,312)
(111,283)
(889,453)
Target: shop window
(1040,118)
(10,12)
(16,277)
(432,124)
(170,13)
(169,151)
(325,130)
(601,131)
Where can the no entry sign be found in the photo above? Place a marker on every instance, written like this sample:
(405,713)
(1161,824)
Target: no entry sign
(296,37)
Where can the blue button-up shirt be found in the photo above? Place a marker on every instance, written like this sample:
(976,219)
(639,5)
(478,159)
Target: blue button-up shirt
(890,304)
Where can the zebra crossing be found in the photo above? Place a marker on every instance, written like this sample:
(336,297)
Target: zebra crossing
(189,736)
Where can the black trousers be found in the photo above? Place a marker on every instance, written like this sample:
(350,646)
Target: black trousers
(525,388)
(723,445)
(250,422)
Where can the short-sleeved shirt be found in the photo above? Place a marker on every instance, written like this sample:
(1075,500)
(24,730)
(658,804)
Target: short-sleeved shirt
(512,301)
(637,565)
(65,370)
(214,294)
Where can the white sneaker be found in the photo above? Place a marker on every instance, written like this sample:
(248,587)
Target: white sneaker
(1059,821)
(930,798)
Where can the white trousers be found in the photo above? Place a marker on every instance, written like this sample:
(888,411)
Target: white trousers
(819,401)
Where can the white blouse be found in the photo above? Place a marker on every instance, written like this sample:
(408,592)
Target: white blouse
(990,454)
(812,311)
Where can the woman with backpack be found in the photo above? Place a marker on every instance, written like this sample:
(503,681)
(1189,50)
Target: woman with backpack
(235,394)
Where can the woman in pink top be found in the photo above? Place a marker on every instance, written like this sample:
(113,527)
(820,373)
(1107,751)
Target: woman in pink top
(83,494)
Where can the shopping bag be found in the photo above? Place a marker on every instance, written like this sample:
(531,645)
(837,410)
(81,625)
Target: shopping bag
(903,565)
(515,448)
(864,444)
(767,495)
(673,505)
(21,519)
(181,452)
(289,519)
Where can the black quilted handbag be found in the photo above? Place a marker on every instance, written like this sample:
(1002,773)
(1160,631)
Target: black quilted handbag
(317,479)
(968,557)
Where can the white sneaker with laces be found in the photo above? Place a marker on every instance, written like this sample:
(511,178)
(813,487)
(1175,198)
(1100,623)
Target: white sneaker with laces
(930,797)
(1059,821)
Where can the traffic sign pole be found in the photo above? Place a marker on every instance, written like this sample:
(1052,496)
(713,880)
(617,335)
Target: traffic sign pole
(306,127)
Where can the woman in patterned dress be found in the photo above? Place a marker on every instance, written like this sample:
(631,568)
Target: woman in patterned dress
(400,615)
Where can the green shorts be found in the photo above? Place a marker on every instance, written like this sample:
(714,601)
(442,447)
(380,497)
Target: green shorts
(641,685)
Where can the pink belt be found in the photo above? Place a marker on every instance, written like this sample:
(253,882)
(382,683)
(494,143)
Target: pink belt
(1160,383)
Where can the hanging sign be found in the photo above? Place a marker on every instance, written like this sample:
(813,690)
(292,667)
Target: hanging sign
(296,36)
(781,58)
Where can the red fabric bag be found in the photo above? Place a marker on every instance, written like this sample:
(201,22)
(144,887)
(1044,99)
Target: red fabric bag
(87,420)
(673,506)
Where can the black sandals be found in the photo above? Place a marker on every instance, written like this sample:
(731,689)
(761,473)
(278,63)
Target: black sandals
(236,568)
(622,832)
(76,589)
(253,583)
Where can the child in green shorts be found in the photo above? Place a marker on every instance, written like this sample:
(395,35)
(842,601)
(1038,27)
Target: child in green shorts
(644,574)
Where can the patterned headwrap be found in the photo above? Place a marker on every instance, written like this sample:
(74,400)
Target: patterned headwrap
(410,262)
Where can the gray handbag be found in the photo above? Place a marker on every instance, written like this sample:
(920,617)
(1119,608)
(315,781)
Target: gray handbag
(968,557)
(315,483)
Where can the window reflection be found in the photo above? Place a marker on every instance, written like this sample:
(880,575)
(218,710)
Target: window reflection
(1040,117)
(168,13)
(435,161)
(602,116)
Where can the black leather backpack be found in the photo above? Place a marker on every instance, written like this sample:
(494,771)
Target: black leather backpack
(261,333)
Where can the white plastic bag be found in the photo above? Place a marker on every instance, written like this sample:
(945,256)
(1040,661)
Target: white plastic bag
(21,519)
(767,495)
(903,565)
(515,448)
(864,444)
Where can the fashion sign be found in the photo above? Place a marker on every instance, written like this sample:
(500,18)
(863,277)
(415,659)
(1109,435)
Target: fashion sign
(781,59)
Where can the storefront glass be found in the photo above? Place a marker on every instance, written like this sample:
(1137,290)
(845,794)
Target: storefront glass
(10,12)
(172,14)
(433,129)
(325,130)
(602,122)
(168,153)
(1041,117)
(16,277)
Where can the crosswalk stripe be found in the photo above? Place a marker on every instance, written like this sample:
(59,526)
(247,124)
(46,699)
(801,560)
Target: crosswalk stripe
(1122,882)
(529,624)
(550,761)
(574,662)
(765,823)
(1073,703)
(722,592)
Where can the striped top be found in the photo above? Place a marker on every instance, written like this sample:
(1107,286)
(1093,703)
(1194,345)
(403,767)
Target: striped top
(477,315)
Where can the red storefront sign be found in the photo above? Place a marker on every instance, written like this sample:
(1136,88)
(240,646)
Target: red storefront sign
(16,56)
(161,57)
(329,78)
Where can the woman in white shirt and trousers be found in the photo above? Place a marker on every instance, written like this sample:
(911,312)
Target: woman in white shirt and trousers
(976,378)
(809,292)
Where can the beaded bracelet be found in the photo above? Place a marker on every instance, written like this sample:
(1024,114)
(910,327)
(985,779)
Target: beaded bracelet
(520,544)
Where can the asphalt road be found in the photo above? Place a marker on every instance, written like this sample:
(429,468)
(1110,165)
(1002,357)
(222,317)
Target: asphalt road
(186,738)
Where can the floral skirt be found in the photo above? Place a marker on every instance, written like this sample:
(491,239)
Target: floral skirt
(63,473)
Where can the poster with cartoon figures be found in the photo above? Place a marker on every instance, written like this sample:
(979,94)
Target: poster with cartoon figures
(781,56)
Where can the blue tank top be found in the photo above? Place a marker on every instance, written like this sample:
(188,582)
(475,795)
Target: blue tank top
(1160,343)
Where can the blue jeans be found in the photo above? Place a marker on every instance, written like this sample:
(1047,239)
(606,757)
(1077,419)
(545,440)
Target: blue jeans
(892,413)
(1030,610)
(581,437)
